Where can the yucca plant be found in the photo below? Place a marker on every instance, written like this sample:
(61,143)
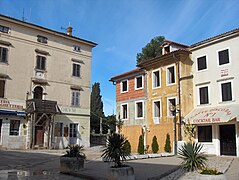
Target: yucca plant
(75,151)
(116,149)
(192,156)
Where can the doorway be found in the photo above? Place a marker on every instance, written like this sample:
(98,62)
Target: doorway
(39,137)
(38,92)
(73,133)
(227,140)
(0,131)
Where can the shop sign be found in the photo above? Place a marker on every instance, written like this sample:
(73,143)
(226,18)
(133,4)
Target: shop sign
(7,104)
(212,115)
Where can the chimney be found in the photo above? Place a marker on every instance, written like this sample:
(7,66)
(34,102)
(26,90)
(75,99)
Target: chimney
(69,30)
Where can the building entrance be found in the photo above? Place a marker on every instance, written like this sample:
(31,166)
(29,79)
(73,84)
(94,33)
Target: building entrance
(0,131)
(227,140)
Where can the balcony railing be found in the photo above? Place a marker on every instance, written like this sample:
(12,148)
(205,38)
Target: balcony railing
(42,106)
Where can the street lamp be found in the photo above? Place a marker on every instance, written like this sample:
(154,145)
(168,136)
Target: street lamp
(172,108)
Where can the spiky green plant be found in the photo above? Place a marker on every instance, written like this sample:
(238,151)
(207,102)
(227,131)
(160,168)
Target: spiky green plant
(192,156)
(115,149)
(75,151)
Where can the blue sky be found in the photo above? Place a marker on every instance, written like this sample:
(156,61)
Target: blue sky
(123,27)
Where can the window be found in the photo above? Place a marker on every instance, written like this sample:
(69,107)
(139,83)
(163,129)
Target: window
(156,109)
(171,101)
(77,48)
(14,127)
(139,82)
(171,75)
(124,86)
(156,79)
(203,95)
(75,99)
(4,29)
(204,133)
(41,63)
(223,57)
(59,129)
(3,54)
(124,111)
(76,70)
(226,91)
(42,39)
(73,130)
(139,109)
(202,63)
(2,88)
(166,49)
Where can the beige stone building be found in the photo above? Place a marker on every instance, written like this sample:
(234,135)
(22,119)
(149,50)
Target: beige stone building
(44,86)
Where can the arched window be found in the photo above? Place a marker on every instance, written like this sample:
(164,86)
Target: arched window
(38,92)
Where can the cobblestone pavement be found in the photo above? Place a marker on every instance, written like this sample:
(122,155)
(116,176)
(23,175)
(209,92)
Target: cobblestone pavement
(226,164)
(36,164)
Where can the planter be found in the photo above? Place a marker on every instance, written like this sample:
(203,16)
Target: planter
(212,177)
(71,164)
(122,173)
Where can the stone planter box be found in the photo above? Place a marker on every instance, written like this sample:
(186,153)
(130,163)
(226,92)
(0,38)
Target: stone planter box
(212,177)
(122,173)
(70,164)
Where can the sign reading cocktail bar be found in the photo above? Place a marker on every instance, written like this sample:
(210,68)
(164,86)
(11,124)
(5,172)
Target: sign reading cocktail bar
(7,105)
(214,115)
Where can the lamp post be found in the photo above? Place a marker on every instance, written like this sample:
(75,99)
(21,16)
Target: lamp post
(172,108)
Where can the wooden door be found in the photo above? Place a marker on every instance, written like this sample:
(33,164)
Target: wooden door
(39,140)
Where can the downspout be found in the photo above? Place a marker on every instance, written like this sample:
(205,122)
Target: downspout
(179,98)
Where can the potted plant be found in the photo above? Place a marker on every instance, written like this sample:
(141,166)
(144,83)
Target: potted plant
(73,160)
(116,151)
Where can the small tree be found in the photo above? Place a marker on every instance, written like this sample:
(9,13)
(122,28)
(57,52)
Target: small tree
(155,146)
(167,147)
(127,147)
(189,131)
(141,145)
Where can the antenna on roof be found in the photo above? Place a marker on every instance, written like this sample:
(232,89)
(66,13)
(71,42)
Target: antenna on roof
(23,17)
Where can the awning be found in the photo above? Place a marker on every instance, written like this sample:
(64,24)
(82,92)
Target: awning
(12,113)
(216,114)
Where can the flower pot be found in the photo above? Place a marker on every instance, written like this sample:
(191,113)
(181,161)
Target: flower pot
(212,177)
(71,164)
(121,173)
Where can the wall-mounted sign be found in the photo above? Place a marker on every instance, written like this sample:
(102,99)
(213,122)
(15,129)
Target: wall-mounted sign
(7,104)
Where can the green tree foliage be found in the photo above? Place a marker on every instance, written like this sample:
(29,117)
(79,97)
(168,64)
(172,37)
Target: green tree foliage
(128,147)
(167,147)
(141,145)
(111,122)
(155,146)
(151,50)
(96,108)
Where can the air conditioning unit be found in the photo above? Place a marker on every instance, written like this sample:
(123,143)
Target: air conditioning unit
(156,120)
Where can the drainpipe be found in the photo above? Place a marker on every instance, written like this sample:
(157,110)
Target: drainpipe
(179,98)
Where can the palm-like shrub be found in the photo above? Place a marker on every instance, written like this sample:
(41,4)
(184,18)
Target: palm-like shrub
(115,149)
(75,151)
(192,156)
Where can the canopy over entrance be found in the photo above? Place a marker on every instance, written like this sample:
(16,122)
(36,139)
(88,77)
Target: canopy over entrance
(216,114)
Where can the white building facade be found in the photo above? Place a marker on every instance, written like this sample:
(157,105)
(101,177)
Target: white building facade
(44,86)
(216,96)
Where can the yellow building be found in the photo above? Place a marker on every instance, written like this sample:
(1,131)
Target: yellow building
(169,84)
